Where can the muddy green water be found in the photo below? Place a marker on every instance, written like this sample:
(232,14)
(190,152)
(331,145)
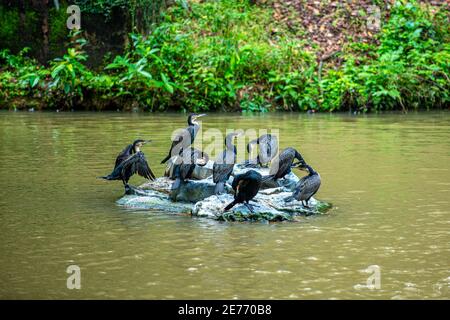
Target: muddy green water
(388,177)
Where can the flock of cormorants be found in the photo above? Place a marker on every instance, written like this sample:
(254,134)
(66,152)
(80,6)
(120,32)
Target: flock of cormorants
(246,185)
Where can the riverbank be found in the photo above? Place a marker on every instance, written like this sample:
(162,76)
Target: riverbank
(234,56)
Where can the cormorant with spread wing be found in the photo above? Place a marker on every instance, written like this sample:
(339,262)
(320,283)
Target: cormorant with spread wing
(185,138)
(224,164)
(268,148)
(281,165)
(184,165)
(307,186)
(246,186)
(130,161)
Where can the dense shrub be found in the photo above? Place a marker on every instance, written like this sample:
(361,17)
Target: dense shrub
(230,55)
(411,67)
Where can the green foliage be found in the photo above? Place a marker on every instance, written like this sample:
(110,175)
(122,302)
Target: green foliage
(10,24)
(139,71)
(141,12)
(58,31)
(11,27)
(410,68)
(230,55)
(18,75)
(68,72)
(214,56)
(62,81)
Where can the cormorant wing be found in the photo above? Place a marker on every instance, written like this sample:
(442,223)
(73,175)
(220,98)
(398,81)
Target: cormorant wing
(268,147)
(124,155)
(281,165)
(175,142)
(137,164)
(191,132)
(221,172)
(183,138)
(307,186)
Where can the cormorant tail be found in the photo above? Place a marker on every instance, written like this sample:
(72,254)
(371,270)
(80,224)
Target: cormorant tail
(176,184)
(231,205)
(152,175)
(220,186)
(108,177)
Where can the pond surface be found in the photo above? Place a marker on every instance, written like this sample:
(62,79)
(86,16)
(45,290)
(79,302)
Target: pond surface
(388,177)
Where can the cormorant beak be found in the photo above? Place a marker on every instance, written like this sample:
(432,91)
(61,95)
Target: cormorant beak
(147,141)
(199,115)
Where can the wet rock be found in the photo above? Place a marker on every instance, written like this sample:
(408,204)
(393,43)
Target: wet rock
(268,205)
(203,172)
(213,206)
(137,198)
(197,198)
(190,191)
(193,191)
(288,182)
(200,172)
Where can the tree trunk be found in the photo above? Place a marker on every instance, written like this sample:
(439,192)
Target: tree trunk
(42,8)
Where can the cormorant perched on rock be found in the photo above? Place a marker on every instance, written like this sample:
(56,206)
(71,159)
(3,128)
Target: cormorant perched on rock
(268,148)
(130,161)
(185,163)
(281,165)
(185,138)
(307,186)
(224,164)
(246,186)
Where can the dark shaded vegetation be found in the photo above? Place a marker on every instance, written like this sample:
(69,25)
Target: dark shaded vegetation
(232,55)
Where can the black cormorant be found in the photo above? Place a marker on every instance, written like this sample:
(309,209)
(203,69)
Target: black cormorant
(307,186)
(130,161)
(184,165)
(281,165)
(224,164)
(268,148)
(185,138)
(245,186)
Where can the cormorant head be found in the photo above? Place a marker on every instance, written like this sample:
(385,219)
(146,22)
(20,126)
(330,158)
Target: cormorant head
(137,144)
(192,119)
(238,133)
(233,135)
